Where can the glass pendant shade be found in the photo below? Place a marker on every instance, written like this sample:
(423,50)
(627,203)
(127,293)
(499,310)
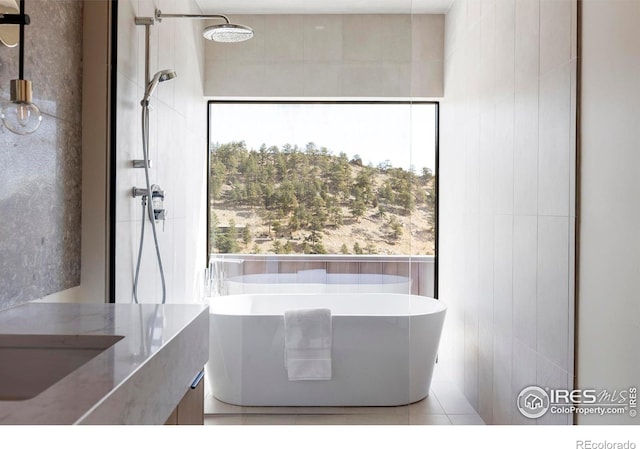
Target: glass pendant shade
(20,115)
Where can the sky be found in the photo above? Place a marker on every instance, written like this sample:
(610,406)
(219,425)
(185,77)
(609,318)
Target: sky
(404,134)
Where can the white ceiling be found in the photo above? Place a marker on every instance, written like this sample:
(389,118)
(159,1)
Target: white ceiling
(324,6)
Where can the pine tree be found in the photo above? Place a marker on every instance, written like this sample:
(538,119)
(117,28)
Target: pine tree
(246,235)
(396,229)
(358,209)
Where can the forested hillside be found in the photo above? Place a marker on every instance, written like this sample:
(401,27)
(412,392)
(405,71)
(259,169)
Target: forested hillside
(292,200)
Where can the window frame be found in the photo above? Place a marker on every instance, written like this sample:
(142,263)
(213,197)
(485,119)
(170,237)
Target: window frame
(358,102)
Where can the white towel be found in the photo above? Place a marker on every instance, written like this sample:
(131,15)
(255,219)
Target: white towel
(307,344)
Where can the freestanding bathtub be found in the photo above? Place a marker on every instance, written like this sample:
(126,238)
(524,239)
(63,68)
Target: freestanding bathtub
(383,350)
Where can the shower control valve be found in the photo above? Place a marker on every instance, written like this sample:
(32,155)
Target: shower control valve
(157,201)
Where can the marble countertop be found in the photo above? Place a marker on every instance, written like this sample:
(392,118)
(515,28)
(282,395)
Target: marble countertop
(138,380)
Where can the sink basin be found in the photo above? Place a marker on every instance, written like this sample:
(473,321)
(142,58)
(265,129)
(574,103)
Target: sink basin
(29,364)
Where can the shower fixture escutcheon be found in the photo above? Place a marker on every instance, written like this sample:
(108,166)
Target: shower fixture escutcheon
(157,200)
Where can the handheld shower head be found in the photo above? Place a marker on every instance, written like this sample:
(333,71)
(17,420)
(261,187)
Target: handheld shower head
(166,75)
(161,76)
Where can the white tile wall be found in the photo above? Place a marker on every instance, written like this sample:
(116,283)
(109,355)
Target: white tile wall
(552,308)
(282,79)
(322,79)
(427,78)
(177,149)
(503,156)
(322,38)
(396,33)
(427,43)
(525,151)
(505,47)
(525,269)
(503,274)
(507,154)
(502,376)
(347,55)
(556,33)
(554,140)
(554,377)
(523,375)
(285,39)
(527,43)
(358,42)
(485,370)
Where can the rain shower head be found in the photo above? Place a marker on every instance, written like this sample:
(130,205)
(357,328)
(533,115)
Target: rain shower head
(161,76)
(228,32)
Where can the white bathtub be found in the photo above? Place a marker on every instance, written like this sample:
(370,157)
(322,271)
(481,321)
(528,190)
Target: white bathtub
(383,352)
(317,281)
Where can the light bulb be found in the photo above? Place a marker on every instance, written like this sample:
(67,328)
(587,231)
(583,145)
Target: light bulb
(20,118)
(19,115)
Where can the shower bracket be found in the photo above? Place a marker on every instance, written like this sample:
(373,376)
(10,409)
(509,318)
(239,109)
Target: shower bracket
(139,163)
(137,191)
(145,21)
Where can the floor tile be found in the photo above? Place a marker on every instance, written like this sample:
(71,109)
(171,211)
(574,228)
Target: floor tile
(402,410)
(312,420)
(429,419)
(466,420)
(377,420)
(456,406)
(452,401)
(214,406)
(221,420)
(253,420)
(428,406)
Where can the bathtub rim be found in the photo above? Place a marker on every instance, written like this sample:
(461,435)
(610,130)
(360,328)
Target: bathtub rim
(439,307)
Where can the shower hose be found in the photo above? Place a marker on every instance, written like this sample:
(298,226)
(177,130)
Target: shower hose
(146,202)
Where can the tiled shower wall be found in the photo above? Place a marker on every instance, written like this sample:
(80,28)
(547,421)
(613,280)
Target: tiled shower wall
(331,55)
(507,200)
(40,184)
(177,149)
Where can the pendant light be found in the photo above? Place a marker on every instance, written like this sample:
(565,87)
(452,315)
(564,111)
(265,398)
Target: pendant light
(20,115)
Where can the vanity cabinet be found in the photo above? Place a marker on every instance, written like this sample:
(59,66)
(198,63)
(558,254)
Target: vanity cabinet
(97,374)
(190,409)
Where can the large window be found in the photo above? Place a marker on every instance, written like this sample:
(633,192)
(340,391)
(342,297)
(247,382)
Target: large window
(322,178)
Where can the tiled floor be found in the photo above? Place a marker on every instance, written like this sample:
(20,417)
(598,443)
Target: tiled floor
(445,405)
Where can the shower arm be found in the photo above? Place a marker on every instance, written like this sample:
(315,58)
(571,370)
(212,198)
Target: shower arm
(147,22)
(159,15)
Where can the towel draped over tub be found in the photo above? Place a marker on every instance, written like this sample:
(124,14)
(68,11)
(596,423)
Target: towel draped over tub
(307,344)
